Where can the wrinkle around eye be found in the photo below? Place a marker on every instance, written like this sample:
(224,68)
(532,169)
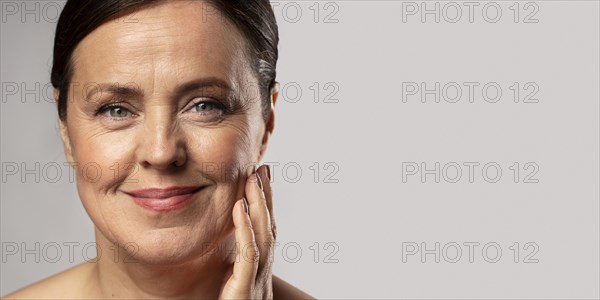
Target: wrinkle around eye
(242,128)
(98,130)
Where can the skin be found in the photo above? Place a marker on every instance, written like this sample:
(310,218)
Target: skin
(162,135)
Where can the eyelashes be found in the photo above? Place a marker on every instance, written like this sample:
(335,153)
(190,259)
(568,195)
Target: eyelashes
(209,105)
(201,106)
(113,107)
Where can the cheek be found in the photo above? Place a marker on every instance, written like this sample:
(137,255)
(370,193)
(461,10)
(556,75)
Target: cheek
(104,160)
(103,164)
(222,154)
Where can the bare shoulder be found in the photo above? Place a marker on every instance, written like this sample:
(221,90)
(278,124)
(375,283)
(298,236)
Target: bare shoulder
(72,284)
(68,284)
(284,290)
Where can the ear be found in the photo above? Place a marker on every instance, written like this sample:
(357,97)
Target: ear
(270,122)
(64,133)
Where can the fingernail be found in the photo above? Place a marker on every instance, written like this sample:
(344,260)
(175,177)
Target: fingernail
(265,171)
(259,181)
(245,205)
(269,172)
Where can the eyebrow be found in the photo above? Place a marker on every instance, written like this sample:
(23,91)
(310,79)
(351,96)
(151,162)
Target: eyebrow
(203,83)
(128,89)
(133,90)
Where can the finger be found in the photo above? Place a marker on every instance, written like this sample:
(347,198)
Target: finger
(264,172)
(247,253)
(259,213)
(261,218)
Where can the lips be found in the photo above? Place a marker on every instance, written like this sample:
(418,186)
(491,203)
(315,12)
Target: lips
(164,199)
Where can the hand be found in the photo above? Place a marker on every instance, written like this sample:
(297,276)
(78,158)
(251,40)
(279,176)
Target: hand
(250,276)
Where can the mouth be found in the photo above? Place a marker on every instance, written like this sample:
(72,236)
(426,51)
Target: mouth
(164,199)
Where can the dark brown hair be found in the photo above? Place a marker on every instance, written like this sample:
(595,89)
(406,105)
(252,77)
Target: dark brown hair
(254,18)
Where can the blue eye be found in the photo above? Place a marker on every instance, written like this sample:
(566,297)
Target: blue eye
(114,111)
(118,112)
(204,106)
(208,107)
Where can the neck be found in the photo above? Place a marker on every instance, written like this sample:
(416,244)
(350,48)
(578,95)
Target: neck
(117,276)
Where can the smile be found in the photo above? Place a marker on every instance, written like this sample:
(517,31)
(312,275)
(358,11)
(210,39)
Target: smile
(164,199)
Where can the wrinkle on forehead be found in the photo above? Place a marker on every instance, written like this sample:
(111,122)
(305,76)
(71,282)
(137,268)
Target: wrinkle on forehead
(169,40)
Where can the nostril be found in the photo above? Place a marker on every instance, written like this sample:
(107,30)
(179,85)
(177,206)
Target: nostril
(162,150)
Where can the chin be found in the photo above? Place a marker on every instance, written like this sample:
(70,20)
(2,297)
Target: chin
(168,246)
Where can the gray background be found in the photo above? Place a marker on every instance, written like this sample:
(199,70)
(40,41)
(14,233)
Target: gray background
(358,209)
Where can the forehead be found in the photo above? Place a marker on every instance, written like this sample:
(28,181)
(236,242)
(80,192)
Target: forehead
(173,40)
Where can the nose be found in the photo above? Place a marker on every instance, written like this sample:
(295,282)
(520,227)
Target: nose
(161,145)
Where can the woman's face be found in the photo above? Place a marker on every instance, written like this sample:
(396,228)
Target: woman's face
(186,113)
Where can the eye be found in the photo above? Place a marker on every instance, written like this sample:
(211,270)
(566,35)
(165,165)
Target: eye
(114,111)
(203,106)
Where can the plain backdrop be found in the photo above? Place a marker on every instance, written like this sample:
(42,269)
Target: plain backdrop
(386,186)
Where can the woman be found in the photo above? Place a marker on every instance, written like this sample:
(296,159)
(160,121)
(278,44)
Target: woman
(164,109)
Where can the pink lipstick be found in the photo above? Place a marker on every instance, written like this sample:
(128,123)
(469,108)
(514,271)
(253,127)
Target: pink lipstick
(164,199)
